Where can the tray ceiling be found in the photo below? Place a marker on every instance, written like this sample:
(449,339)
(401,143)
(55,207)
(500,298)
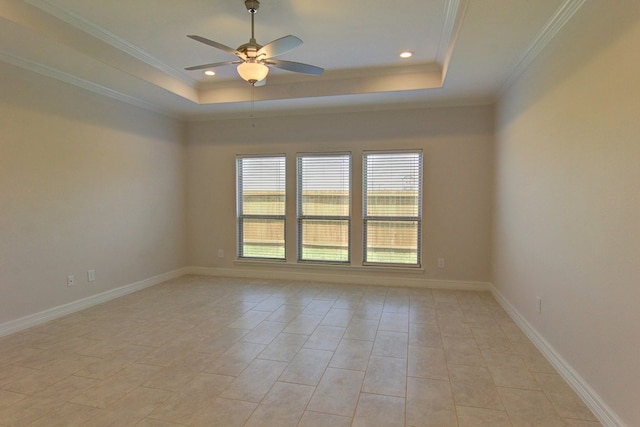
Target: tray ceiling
(465,51)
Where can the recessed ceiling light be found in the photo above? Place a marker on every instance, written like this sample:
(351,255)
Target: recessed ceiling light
(406,54)
(210,73)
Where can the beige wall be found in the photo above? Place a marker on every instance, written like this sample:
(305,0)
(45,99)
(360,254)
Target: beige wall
(457,144)
(567,215)
(86,182)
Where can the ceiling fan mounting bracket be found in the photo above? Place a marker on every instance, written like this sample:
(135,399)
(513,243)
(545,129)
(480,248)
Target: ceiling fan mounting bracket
(252,5)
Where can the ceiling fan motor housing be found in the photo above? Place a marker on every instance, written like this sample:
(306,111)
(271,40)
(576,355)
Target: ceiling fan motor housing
(250,49)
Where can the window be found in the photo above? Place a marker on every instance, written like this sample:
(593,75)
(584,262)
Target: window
(323,207)
(260,205)
(392,207)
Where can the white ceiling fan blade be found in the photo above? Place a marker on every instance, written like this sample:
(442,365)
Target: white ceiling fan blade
(218,46)
(296,67)
(212,65)
(260,83)
(279,46)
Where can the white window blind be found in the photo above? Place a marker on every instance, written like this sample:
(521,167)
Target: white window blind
(392,207)
(324,207)
(261,199)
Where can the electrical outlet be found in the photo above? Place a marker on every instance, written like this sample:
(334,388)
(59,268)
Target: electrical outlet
(441,263)
(70,280)
(539,305)
(220,253)
(91,275)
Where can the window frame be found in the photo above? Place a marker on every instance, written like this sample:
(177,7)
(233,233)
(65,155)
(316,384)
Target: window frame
(241,217)
(382,218)
(301,218)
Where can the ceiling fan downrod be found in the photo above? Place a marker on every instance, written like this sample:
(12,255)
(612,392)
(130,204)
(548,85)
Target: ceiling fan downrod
(252,7)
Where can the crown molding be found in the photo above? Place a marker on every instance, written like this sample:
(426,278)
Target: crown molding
(77,81)
(454,12)
(110,38)
(564,13)
(332,83)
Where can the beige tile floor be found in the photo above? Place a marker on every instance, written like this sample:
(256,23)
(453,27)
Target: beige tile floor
(203,351)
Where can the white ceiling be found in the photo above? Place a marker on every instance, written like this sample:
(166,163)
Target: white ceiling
(466,51)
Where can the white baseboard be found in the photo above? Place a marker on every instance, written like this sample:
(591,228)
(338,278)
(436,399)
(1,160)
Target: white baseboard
(320,274)
(290,273)
(62,310)
(605,414)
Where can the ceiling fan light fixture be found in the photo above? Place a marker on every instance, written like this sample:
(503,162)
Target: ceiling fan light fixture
(253,72)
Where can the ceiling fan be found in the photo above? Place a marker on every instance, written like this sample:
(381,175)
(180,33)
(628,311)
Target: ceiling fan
(255,59)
